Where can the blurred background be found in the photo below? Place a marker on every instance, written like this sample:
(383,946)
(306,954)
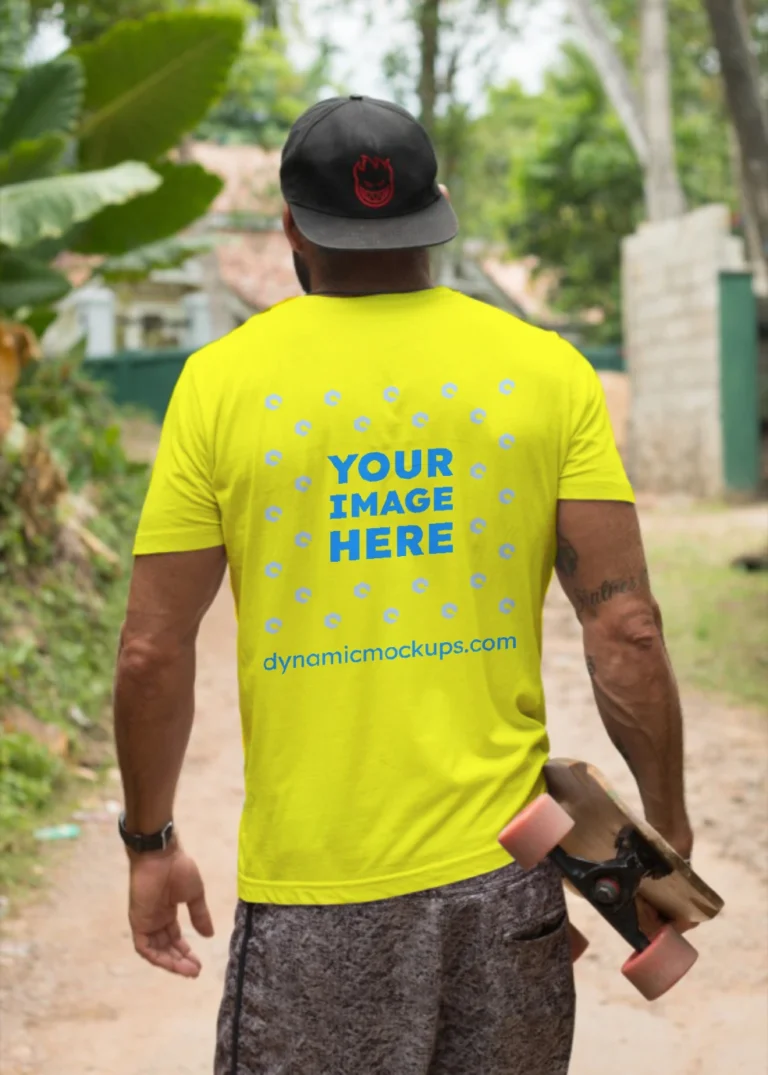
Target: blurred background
(608,160)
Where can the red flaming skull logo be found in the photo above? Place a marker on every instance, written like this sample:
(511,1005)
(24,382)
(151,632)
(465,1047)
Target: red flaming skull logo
(374,181)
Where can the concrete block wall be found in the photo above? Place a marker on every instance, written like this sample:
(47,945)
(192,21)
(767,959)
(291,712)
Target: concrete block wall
(670,281)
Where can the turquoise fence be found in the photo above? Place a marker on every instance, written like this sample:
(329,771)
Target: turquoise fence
(145,379)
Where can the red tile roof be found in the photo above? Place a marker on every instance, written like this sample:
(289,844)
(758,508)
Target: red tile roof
(251,177)
(258,267)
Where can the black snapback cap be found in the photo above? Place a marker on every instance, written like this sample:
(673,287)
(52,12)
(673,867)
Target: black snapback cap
(360,174)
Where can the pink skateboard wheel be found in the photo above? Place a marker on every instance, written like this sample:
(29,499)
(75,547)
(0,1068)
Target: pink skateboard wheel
(535,831)
(668,959)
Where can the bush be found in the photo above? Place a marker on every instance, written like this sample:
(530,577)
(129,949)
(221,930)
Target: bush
(81,422)
(60,615)
(29,774)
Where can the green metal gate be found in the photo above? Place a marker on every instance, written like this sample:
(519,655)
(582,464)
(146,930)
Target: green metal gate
(145,379)
(739,391)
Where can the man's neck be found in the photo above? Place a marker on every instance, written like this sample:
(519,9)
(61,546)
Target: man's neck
(356,289)
(374,279)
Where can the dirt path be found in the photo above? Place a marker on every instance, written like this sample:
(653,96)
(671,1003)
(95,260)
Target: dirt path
(76,1000)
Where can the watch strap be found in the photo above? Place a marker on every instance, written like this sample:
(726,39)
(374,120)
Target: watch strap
(141,842)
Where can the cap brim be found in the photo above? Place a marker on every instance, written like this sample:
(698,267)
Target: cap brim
(433,226)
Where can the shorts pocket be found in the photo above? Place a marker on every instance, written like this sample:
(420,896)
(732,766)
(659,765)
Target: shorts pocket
(539,973)
(537,933)
(537,1002)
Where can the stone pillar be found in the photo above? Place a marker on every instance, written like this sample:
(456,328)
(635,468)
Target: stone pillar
(199,330)
(133,335)
(671,297)
(96,312)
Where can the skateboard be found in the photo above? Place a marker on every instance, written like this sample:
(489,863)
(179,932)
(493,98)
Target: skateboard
(612,857)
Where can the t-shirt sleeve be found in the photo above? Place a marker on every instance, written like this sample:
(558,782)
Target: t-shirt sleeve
(181,513)
(592,467)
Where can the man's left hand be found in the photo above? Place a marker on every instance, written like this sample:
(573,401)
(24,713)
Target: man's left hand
(159,883)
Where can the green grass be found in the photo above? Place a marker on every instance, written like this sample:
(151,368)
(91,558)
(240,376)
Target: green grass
(715,617)
(59,619)
(58,638)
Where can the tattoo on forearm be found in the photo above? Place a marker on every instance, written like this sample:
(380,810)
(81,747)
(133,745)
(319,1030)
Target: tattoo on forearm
(608,589)
(591,666)
(567,559)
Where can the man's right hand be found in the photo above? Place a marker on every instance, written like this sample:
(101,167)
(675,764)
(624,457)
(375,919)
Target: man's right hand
(159,883)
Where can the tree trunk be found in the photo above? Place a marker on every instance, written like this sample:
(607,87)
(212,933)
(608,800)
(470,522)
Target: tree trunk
(663,192)
(730,31)
(429,34)
(613,74)
(650,128)
(269,13)
(755,254)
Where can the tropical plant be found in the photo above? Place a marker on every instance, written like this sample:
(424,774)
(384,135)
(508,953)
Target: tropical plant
(137,264)
(265,93)
(84,144)
(14,34)
(83,22)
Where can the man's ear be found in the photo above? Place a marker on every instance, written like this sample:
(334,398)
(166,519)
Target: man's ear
(292,233)
(444,191)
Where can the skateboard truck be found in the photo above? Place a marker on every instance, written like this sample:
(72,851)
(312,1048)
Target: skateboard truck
(611,886)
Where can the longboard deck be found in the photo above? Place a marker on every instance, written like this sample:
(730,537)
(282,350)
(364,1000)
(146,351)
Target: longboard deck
(600,816)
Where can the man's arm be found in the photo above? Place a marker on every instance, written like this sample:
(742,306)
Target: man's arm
(601,567)
(154,708)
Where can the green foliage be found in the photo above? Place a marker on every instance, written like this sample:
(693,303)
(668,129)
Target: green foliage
(48,100)
(69,627)
(494,145)
(85,21)
(59,620)
(185,193)
(40,318)
(26,281)
(80,426)
(715,625)
(14,36)
(701,128)
(137,264)
(31,160)
(19,548)
(48,208)
(147,83)
(580,191)
(265,94)
(553,173)
(80,422)
(58,637)
(29,774)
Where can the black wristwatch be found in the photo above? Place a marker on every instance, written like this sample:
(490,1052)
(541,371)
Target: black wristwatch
(137,841)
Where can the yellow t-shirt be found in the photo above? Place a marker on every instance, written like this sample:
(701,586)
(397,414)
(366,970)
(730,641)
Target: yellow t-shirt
(384,473)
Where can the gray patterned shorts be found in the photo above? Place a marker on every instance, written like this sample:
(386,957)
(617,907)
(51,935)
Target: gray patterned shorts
(470,979)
